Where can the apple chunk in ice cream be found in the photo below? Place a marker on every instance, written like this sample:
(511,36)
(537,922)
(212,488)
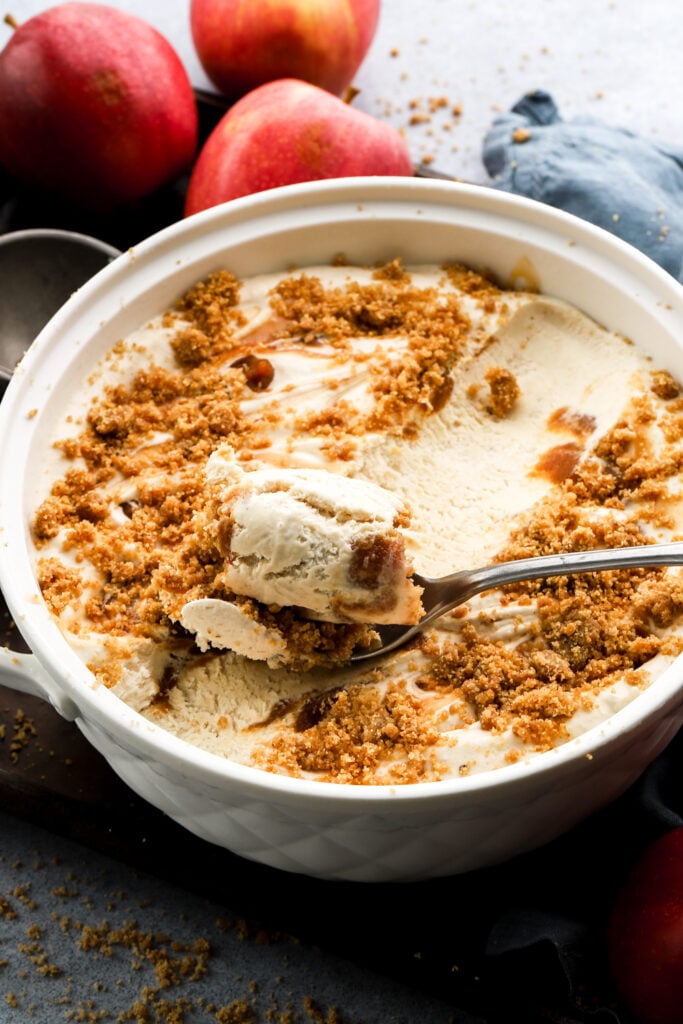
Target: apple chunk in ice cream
(246,484)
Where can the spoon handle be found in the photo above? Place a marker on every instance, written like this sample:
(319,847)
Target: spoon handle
(448,591)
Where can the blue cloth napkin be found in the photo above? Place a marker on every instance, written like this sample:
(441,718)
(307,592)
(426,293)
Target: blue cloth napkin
(632,187)
(608,175)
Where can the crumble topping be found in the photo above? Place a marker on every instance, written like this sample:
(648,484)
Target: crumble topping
(327,373)
(155,545)
(346,734)
(504,391)
(590,630)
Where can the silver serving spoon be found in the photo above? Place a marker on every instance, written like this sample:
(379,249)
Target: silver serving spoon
(447,592)
(39,270)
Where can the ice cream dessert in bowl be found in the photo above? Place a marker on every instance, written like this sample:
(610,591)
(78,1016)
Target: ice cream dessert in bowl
(256,452)
(256,464)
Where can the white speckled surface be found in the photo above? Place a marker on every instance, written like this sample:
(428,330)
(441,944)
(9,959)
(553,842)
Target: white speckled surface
(614,59)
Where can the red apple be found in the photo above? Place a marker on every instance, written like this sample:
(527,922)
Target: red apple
(95,106)
(286,132)
(646,934)
(243,43)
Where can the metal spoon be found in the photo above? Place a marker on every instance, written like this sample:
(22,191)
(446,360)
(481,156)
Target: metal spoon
(446,592)
(39,270)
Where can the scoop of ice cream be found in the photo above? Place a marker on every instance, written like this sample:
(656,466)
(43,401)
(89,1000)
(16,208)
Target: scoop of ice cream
(331,546)
(226,625)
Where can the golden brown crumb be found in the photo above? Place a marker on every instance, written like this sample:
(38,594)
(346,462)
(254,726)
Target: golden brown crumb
(663,385)
(344,735)
(6,909)
(23,731)
(504,391)
(239,1011)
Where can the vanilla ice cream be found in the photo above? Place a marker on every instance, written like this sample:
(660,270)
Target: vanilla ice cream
(295,538)
(247,483)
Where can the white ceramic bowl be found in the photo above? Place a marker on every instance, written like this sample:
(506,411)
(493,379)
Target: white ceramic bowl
(372,833)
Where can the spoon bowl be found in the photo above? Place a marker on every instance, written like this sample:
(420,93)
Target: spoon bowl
(443,594)
(39,270)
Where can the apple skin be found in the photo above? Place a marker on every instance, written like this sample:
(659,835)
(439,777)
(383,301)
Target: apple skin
(286,132)
(646,934)
(242,44)
(95,106)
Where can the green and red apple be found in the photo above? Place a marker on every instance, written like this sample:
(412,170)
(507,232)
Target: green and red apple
(286,132)
(645,937)
(95,106)
(242,44)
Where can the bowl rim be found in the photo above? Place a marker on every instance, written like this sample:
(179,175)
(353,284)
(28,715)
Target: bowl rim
(98,706)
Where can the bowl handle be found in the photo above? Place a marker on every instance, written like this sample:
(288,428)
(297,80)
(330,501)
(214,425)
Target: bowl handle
(24,673)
